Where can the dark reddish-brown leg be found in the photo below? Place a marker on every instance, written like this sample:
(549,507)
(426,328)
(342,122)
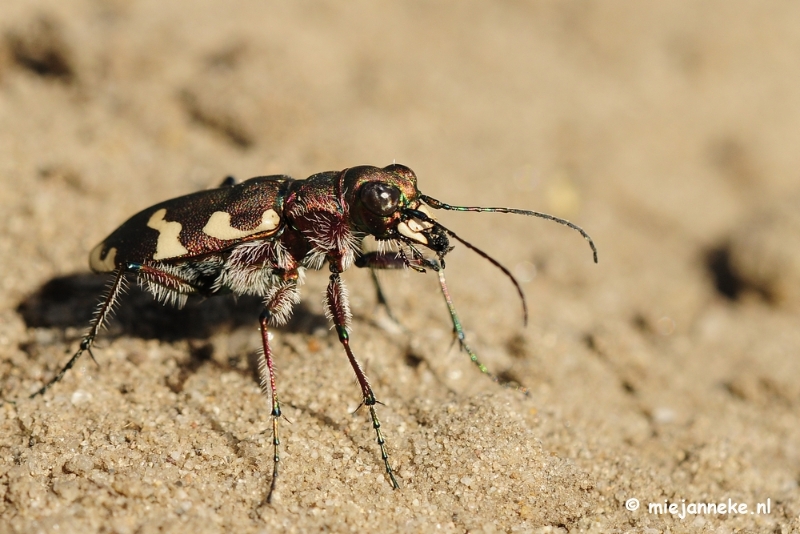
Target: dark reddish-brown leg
(167,280)
(268,381)
(277,308)
(339,312)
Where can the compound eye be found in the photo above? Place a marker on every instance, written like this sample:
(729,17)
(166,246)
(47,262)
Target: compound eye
(379,198)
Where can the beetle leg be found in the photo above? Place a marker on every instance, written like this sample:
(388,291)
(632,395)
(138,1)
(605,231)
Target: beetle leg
(339,312)
(103,313)
(269,379)
(165,286)
(277,309)
(381,260)
(459,331)
(381,296)
(438,266)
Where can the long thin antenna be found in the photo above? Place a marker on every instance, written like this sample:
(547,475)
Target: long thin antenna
(432,202)
(422,217)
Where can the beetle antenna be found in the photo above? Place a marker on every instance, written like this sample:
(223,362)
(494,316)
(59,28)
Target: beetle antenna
(422,217)
(436,204)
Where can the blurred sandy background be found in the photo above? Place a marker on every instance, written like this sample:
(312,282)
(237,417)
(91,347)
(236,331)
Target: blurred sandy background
(667,373)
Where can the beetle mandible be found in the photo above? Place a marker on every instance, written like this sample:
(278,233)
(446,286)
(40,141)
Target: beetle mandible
(257,238)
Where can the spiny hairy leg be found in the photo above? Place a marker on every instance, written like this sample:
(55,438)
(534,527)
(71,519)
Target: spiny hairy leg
(103,313)
(277,309)
(339,312)
(268,381)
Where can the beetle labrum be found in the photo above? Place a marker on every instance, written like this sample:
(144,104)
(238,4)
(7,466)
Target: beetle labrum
(257,237)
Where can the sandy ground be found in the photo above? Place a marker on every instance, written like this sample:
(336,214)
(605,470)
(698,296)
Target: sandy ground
(667,373)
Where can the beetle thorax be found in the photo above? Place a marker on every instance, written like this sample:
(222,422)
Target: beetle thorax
(324,225)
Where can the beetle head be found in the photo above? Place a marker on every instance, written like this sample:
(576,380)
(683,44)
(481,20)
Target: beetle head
(383,203)
(386,204)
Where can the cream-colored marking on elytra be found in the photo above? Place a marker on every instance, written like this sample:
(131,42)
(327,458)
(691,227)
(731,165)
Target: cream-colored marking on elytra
(169,242)
(219,225)
(102,265)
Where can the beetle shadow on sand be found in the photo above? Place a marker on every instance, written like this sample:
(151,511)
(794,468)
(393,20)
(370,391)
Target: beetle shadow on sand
(70,301)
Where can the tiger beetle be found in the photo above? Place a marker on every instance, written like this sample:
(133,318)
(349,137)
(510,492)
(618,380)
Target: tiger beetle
(259,236)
